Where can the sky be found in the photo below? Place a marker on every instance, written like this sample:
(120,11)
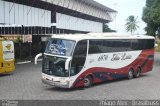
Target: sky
(125,8)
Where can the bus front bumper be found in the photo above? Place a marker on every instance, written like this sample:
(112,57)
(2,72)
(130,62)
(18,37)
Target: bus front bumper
(57,84)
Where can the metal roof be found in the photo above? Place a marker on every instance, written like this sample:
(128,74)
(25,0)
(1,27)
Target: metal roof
(97,4)
(89,7)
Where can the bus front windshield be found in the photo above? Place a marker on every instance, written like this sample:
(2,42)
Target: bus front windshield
(60,47)
(55,66)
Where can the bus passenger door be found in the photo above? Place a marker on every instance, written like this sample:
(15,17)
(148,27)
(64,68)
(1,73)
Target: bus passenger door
(79,57)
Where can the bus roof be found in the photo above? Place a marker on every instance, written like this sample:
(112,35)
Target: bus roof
(77,37)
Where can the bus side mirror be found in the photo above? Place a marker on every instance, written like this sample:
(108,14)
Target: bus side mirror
(67,63)
(36,58)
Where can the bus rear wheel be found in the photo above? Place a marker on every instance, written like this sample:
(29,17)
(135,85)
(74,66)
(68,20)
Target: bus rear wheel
(88,81)
(138,73)
(130,74)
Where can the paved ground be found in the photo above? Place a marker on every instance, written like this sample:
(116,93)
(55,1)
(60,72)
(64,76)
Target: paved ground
(26,84)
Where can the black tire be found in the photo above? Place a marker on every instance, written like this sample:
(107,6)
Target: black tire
(88,81)
(130,74)
(138,73)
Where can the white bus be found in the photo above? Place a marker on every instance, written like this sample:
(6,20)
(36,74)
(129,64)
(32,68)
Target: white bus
(84,59)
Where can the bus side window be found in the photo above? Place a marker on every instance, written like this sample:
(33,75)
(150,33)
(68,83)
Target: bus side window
(150,44)
(127,45)
(79,57)
(135,45)
(95,46)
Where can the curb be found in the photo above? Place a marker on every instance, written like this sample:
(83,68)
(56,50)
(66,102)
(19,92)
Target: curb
(25,62)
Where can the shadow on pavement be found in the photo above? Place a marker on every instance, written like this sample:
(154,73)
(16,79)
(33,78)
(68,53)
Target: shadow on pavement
(95,85)
(6,74)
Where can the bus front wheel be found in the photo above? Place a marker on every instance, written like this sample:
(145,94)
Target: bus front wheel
(130,74)
(138,73)
(88,81)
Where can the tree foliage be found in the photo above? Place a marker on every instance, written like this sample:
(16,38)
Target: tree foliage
(106,28)
(151,16)
(131,25)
